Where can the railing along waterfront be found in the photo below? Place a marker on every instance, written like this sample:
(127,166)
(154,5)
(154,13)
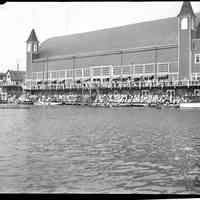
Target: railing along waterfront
(115,85)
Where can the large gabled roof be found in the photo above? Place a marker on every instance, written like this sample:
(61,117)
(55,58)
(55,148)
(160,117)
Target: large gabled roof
(158,32)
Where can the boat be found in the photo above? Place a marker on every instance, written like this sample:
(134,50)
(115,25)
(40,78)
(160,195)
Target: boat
(41,103)
(189,105)
(139,104)
(152,105)
(54,103)
(171,105)
(26,102)
(14,106)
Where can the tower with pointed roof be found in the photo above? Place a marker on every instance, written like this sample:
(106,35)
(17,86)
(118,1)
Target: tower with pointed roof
(186,32)
(32,49)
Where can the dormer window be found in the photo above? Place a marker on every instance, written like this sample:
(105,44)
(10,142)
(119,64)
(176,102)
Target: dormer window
(184,23)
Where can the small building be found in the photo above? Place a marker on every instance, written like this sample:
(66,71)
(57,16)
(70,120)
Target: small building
(12,83)
(15,77)
(2,78)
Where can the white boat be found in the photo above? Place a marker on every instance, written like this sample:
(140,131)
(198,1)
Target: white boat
(53,103)
(190,105)
(41,103)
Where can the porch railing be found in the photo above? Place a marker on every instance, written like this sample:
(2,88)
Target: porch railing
(113,84)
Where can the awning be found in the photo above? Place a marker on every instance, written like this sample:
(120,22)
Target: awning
(87,80)
(151,77)
(54,81)
(116,79)
(136,79)
(78,81)
(163,77)
(124,79)
(39,82)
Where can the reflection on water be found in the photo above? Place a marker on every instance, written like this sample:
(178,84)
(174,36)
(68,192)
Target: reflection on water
(98,150)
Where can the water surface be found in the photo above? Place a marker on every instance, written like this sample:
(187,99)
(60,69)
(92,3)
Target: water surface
(98,150)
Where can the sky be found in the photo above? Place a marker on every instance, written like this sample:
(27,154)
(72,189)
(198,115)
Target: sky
(51,19)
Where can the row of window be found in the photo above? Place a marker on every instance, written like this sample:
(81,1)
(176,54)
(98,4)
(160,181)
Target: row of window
(195,76)
(105,71)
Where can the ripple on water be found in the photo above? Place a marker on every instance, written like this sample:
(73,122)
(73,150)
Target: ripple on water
(76,149)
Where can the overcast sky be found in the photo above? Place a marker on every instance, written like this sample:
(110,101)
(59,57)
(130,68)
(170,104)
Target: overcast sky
(61,18)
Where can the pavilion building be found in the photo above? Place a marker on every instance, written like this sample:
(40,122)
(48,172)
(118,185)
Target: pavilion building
(167,48)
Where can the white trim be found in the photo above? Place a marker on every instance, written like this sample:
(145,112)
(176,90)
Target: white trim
(178,47)
(190,48)
(71,71)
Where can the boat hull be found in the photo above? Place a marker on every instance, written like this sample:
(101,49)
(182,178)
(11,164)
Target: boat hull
(190,105)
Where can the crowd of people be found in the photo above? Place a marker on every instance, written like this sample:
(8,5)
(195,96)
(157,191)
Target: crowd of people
(137,98)
(128,83)
(104,99)
(108,98)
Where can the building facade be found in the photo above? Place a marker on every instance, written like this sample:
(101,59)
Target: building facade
(167,48)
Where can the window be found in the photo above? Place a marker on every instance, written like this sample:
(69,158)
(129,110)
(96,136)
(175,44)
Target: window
(54,75)
(184,23)
(126,70)
(197,58)
(78,72)
(173,77)
(163,68)
(40,75)
(97,71)
(117,70)
(61,75)
(193,24)
(29,47)
(69,73)
(106,71)
(149,68)
(86,72)
(35,48)
(139,69)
